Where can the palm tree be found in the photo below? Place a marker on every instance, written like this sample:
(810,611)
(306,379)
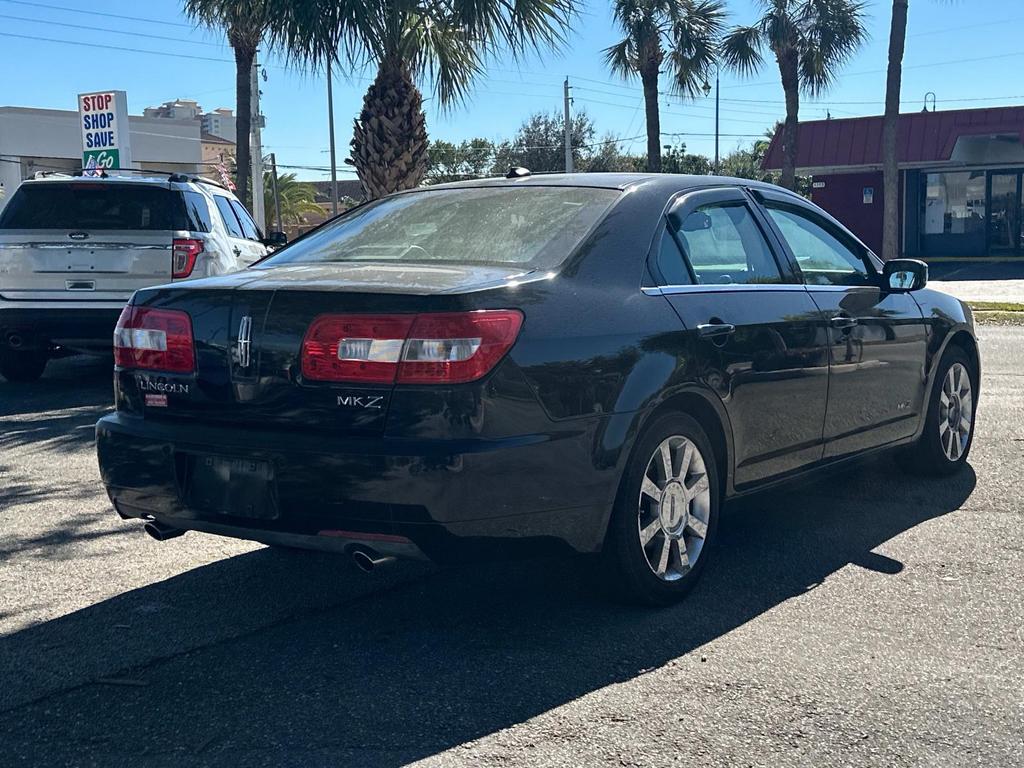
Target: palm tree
(246,23)
(810,40)
(446,41)
(890,124)
(682,33)
(297,197)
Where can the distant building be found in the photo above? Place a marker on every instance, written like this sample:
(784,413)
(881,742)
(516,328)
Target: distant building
(216,150)
(33,140)
(179,109)
(961,177)
(220,123)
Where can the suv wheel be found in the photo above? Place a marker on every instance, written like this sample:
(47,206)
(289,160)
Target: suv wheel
(948,433)
(666,514)
(16,366)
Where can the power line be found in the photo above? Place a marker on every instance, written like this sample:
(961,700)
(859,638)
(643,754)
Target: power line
(107,30)
(98,13)
(113,47)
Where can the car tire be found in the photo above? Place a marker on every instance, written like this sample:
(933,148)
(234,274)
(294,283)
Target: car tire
(663,523)
(943,447)
(21,367)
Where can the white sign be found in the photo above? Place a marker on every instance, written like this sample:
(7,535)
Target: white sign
(869,195)
(105,134)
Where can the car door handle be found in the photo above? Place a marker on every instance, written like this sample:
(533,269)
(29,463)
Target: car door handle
(843,321)
(715,330)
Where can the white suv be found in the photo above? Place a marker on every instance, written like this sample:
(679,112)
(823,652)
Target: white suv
(74,249)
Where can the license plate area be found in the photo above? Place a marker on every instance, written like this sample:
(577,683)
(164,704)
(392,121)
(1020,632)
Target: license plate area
(232,486)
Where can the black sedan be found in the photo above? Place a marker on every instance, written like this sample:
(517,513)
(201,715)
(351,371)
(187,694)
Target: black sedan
(581,363)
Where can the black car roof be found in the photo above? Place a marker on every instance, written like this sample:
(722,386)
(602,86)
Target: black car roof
(668,182)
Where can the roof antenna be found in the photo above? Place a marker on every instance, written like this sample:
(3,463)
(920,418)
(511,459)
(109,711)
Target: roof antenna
(930,94)
(517,172)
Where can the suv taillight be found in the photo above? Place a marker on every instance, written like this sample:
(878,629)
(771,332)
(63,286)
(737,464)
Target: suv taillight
(435,348)
(184,253)
(154,340)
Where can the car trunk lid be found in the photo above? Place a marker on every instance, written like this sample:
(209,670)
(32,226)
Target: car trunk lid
(249,328)
(98,240)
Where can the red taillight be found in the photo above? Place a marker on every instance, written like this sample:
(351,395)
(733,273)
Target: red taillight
(154,340)
(437,348)
(183,256)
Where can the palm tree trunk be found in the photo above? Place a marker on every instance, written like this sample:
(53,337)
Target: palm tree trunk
(890,125)
(787,60)
(649,79)
(389,144)
(243,120)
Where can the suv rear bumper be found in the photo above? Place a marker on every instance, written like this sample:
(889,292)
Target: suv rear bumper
(447,499)
(87,329)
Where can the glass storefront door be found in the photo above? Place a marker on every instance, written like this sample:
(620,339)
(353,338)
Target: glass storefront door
(1004,213)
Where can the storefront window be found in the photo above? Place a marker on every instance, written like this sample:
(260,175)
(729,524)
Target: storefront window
(955,203)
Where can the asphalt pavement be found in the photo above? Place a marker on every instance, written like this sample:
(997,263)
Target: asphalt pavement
(865,619)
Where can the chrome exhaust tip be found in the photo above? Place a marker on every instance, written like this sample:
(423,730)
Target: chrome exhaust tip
(162,532)
(367,560)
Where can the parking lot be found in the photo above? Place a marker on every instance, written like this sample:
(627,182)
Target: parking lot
(864,619)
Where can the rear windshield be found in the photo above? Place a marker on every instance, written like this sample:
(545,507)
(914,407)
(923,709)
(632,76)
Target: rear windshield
(95,205)
(533,227)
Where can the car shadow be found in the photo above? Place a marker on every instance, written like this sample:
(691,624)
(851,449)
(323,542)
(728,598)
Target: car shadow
(400,669)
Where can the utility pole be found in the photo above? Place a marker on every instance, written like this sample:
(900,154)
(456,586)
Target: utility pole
(256,146)
(717,93)
(568,130)
(277,196)
(330,126)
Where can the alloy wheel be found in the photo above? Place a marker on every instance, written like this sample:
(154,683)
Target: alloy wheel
(956,412)
(674,508)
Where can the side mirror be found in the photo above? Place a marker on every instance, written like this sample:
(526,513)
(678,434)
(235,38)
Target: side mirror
(275,239)
(902,275)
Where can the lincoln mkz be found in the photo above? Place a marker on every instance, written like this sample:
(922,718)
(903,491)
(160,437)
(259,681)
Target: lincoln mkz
(581,363)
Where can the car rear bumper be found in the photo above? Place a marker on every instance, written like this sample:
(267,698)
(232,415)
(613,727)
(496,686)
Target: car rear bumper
(84,328)
(446,499)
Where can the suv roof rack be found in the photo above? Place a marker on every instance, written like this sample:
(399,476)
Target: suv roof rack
(172,176)
(46,174)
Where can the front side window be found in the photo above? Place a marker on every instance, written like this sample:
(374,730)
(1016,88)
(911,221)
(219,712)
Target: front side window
(532,227)
(824,259)
(725,246)
(248,225)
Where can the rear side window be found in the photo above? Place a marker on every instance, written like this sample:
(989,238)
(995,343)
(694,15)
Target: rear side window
(228,216)
(198,211)
(248,225)
(671,263)
(725,246)
(533,227)
(824,259)
(95,206)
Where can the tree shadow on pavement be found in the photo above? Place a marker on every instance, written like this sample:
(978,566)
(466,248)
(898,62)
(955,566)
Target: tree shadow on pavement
(414,666)
(75,382)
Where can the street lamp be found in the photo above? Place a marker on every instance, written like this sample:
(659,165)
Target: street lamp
(707,92)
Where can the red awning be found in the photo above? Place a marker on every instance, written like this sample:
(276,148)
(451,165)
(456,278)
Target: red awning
(923,137)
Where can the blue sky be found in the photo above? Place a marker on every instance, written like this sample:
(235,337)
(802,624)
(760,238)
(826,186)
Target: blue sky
(970,54)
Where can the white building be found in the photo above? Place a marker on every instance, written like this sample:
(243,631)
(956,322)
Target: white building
(220,123)
(34,140)
(179,109)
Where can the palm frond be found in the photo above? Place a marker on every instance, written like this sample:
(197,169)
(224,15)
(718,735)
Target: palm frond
(833,30)
(741,49)
(621,58)
(695,32)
